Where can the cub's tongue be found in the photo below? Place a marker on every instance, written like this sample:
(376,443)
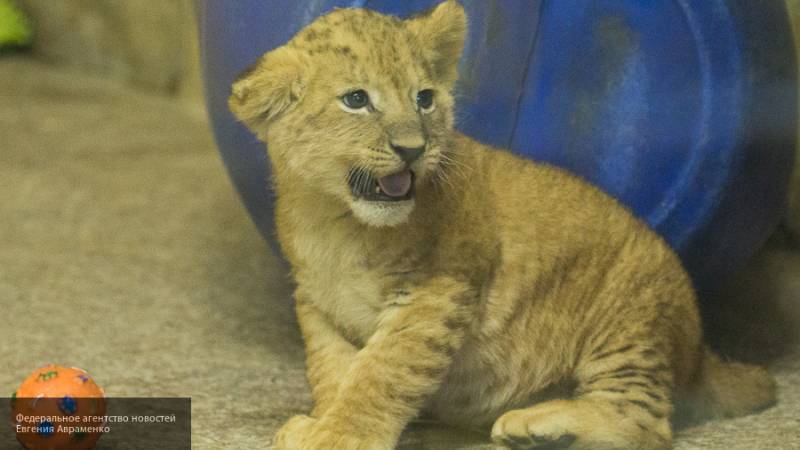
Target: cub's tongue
(396,185)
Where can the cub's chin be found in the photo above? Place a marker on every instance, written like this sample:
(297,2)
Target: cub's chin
(382,213)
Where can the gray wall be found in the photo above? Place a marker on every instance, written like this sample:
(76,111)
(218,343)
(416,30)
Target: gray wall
(148,43)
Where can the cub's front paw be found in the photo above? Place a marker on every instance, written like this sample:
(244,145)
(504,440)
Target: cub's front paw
(292,433)
(534,428)
(307,433)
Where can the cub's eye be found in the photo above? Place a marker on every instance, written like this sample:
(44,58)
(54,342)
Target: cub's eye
(425,100)
(356,99)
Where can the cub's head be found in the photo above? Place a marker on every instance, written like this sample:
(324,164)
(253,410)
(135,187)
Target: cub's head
(358,106)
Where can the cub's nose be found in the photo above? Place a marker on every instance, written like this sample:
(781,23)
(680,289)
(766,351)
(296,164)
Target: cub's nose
(408,154)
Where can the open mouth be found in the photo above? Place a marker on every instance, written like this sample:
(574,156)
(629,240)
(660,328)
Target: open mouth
(391,188)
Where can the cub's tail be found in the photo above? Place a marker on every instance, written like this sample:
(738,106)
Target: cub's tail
(729,389)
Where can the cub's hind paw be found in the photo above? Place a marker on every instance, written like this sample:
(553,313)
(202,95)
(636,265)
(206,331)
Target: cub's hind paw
(534,442)
(533,428)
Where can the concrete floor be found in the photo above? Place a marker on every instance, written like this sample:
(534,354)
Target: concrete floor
(125,251)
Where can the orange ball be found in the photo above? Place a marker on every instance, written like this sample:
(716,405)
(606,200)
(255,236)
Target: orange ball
(58,408)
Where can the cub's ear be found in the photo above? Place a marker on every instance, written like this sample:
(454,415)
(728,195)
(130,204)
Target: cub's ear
(441,32)
(270,87)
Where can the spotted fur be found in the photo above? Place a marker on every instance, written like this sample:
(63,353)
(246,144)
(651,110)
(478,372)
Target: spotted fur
(506,295)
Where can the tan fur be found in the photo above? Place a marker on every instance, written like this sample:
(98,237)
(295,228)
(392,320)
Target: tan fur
(507,295)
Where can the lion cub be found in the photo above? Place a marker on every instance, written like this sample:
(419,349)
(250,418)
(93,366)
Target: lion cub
(437,274)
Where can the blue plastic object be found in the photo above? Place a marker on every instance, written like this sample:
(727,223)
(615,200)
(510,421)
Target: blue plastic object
(684,110)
